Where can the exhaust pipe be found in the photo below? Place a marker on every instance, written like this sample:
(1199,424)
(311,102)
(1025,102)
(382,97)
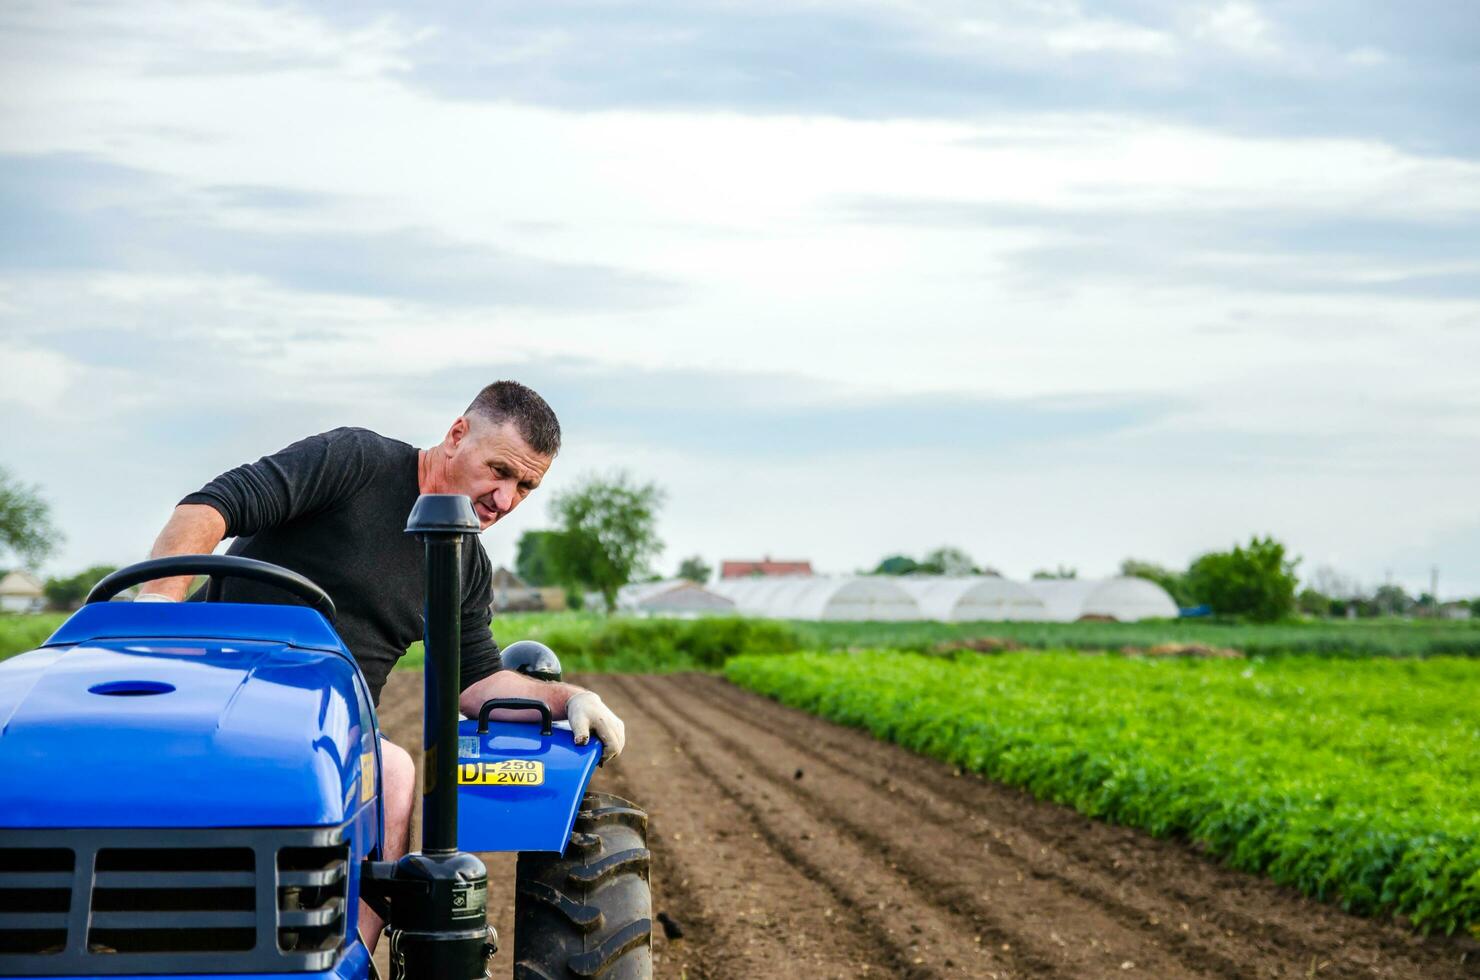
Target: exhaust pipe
(443,521)
(437,898)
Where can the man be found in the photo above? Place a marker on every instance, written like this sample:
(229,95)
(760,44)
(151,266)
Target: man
(333,507)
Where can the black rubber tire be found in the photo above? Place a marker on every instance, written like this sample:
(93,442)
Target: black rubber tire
(588,912)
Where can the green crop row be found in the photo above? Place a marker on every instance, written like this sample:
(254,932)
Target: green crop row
(1361,638)
(1356,782)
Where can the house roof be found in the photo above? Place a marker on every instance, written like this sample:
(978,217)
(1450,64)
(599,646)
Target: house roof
(21,582)
(745,569)
(505,579)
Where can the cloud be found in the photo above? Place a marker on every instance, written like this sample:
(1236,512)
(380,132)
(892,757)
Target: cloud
(1057,281)
(727,415)
(1241,27)
(1295,75)
(65,212)
(1253,248)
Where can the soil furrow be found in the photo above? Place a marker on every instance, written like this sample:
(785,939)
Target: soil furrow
(1267,929)
(919,940)
(950,869)
(1046,886)
(710,876)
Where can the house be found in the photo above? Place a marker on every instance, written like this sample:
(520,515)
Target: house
(510,593)
(765,567)
(21,592)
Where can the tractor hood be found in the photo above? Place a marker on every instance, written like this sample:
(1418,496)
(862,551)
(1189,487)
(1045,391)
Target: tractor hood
(182,732)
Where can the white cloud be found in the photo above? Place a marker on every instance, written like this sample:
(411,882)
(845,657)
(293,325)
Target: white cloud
(1241,27)
(742,211)
(1368,57)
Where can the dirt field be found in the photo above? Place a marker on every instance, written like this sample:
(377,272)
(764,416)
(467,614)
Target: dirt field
(786,846)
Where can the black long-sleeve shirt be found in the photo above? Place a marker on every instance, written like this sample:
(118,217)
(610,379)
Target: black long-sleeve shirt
(333,507)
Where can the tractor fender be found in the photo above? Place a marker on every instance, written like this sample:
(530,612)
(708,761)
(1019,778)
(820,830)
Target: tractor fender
(519,789)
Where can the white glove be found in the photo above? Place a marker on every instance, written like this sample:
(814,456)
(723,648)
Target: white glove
(152,597)
(587,713)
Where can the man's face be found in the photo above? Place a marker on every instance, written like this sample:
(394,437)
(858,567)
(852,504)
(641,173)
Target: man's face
(492,464)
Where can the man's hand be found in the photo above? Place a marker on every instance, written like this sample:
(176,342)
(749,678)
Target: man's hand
(587,714)
(582,708)
(152,597)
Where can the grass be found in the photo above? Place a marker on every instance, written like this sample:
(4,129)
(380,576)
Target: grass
(19,633)
(1357,783)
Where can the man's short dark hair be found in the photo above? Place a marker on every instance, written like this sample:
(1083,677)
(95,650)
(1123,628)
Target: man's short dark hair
(510,401)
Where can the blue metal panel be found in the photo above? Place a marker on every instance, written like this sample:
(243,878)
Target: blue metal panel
(518,816)
(296,626)
(353,965)
(248,734)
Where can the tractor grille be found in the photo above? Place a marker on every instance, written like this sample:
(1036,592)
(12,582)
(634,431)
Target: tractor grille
(101,902)
(173,900)
(35,897)
(312,882)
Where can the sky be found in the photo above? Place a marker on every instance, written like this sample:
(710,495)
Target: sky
(1055,283)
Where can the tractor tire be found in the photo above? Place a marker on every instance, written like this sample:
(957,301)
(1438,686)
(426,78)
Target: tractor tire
(588,912)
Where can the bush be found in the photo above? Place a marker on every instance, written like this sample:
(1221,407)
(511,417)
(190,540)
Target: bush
(19,634)
(587,643)
(1257,582)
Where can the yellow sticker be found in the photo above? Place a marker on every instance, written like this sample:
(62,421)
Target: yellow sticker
(510,772)
(367,776)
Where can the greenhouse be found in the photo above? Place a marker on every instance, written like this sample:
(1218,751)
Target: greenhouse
(671,597)
(971,599)
(821,598)
(1121,599)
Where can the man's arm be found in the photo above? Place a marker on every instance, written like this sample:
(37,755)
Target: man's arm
(586,710)
(310,475)
(193,529)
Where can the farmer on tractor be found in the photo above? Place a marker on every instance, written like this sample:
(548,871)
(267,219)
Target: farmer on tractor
(333,507)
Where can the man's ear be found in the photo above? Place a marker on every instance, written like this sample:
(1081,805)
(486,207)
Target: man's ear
(457,433)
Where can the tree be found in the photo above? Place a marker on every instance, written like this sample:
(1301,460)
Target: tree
(1314,603)
(947,560)
(1328,581)
(607,533)
(1257,581)
(694,569)
(1174,582)
(533,562)
(897,565)
(67,593)
(25,522)
(1391,600)
(1061,572)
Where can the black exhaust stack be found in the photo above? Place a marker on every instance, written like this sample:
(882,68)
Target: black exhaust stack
(442,521)
(437,899)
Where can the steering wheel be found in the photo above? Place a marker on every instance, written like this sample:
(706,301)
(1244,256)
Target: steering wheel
(219,568)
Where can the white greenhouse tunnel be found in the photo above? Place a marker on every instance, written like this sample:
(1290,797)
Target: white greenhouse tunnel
(969,599)
(821,598)
(945,599)
(1122,599)
(671,597)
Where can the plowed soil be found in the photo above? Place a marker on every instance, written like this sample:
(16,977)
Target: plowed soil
(786,846)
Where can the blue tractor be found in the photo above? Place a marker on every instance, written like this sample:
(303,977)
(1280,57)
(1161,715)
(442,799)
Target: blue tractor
(192,790)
